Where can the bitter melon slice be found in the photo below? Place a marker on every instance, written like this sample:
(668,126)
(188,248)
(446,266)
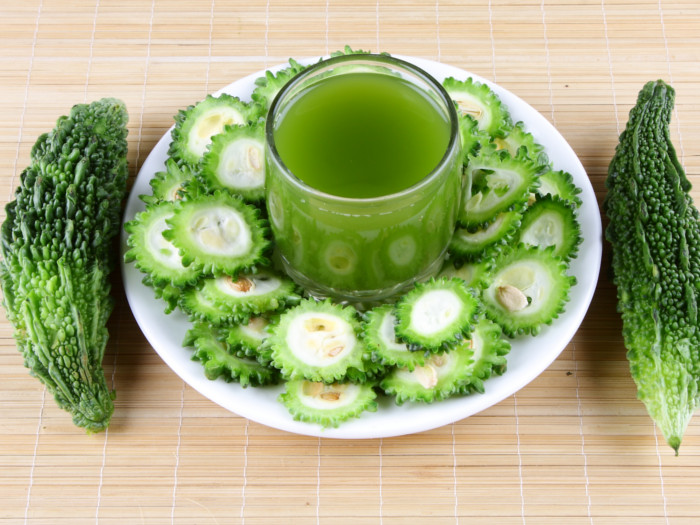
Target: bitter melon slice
(520,143)
(529,289)
(495,183)
(474,274)
(382,343)
(267,86)
(317,341)
(219,234)
(436,314)
(219,361)
(471,244)
(477,100)
(248,339)
(559,183)
(327,404)
(551,222)
(251,294)
(169,185)
(197,124)
(459,371)
(235,161)
(151,252)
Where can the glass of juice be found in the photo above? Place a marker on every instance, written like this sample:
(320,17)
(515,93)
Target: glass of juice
(363,178)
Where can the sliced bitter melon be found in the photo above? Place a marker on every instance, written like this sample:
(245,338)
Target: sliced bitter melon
(317,341)
(248,339)
(219,361)
(474,274)
(250,294)
(195,126)
(471,244)
(551,221)
(460,371)
(440,377)
(481,103)
(495,183)
(267,86)
(200,308)
(382,343)
(169,185)
(235,161)
(436,314)
(151,252)
(520,143)
(559,184)
(529,289)
(327,404)
(219,234)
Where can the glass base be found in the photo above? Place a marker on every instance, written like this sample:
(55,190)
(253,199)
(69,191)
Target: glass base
(360,299)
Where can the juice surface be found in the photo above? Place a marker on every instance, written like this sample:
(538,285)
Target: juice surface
(361,135)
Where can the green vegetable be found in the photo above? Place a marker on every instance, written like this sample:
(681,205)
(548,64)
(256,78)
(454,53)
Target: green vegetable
(327,404)
(250,294)
(655,237)
(152,253)
(478,101)
(494,183)
(551,221)
(529,288)
(382,343)
(235,161)
(436,315)
(57,256)
(472,244)
(560,184)
(169,185)
(196,125)
(461,370)
(267,86)
(220,361)
(317,341)
(219,234)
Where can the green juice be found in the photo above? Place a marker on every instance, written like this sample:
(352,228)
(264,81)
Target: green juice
(362,135)
(363,180)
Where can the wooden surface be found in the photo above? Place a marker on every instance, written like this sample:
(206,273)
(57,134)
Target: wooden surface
(572,447)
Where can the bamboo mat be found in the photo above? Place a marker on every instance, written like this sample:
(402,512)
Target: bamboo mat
(572,447)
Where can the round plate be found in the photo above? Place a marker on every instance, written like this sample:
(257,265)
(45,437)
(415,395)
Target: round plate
(529,356)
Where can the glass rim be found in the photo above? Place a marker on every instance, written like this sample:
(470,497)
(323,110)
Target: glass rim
(453,119)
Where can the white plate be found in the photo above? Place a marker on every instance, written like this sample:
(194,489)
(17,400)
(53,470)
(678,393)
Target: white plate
(529,356)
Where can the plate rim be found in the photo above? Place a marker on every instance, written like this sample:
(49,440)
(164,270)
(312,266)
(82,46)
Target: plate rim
(382,423)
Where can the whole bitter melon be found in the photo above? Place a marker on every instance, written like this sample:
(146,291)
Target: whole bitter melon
(655,237)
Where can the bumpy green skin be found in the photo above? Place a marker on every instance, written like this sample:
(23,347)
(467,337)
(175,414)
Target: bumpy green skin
(496,182)
(246,177)
(410,312)
(654,232)
(540,276)
(219,360)
(218,112)
(247,339)
(58,254)
(552,213)
(460,371)
(301,405)
(474,244)
(185,230)
(293,361)
(493,116)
